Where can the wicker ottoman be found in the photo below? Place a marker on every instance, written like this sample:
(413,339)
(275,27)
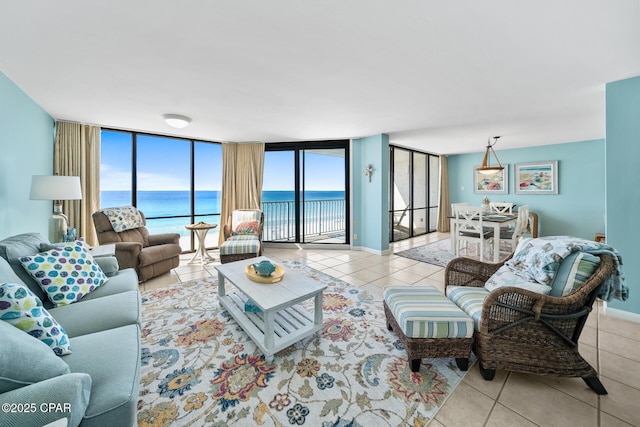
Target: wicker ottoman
(428,324)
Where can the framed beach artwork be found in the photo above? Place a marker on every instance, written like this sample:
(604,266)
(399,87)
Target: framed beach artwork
(536,177)
(491,184)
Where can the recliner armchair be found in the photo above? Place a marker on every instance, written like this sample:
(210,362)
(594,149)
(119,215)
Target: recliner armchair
(150,254)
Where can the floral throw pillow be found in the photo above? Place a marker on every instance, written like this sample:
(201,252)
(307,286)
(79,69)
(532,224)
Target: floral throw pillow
(247,227)
(67,274)
(21,308)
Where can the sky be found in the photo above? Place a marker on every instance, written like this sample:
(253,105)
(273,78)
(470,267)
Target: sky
(163,164)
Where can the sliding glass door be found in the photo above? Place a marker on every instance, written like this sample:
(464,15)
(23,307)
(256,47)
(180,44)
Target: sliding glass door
(400,195)
(279,196)
(413,196)
(305,192)
(323,202)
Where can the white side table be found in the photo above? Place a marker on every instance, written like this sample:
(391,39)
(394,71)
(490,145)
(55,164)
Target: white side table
(103,250)
(201,230)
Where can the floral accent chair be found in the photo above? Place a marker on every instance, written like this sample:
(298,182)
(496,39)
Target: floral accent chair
(243,235)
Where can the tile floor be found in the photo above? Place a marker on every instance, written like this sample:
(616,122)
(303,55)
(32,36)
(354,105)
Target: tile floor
(610,344)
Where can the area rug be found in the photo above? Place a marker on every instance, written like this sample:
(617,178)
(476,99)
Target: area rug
(437,253)
(200,368)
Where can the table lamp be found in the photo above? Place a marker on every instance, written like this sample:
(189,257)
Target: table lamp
(56,188)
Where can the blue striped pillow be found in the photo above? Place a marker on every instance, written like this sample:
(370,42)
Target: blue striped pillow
(573,272)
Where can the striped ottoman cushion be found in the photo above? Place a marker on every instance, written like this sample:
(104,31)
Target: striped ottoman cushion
(240,244)
(470,299)
(424,312)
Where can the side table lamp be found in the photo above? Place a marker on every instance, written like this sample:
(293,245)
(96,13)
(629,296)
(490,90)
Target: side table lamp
(56,188)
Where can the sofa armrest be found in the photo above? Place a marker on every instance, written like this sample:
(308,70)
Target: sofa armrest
(65,396)
(108,264)
(163,239)
(128,254)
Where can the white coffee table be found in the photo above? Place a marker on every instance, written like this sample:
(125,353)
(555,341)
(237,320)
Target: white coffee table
(283,321)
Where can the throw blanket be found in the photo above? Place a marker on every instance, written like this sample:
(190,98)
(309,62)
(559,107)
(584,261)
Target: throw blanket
(538,260)
(123,218)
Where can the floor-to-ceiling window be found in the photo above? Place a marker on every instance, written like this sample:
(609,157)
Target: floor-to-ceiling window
(305,192)
(413,195)
(173,181)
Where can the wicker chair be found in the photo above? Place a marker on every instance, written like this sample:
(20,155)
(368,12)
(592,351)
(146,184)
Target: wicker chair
(523,331)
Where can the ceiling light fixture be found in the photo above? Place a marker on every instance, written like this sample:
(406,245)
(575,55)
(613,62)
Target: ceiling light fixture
(486,167)
(176,120)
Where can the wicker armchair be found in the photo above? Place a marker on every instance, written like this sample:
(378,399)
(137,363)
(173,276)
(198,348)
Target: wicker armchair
(523,331)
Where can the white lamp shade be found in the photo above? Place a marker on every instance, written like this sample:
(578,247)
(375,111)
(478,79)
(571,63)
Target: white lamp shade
(55,187)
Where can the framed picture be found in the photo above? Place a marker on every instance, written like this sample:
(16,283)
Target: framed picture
(536,177)
(491,184)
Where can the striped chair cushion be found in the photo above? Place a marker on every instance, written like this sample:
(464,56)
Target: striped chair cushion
(573,273)
(469,299)
(240,244)
(424,312)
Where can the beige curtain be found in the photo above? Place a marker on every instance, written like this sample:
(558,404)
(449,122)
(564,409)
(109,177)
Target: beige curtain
(242,169)
(77,153)
(445,201)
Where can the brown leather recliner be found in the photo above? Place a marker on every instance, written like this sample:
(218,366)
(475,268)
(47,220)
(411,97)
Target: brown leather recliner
(150,254)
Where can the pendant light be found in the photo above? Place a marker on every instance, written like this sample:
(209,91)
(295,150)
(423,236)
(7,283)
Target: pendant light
(486,167)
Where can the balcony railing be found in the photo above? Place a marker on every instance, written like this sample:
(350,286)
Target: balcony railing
(322,219)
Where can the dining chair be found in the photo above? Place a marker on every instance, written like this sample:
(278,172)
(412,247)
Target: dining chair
(511,237)
(469,229)
(501,207)
(455,206)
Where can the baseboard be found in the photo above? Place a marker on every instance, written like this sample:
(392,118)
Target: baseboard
(325,246)
(621,314)
(328,246)
(373,251)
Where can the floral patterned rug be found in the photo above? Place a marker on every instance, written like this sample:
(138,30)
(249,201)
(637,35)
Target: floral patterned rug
(200,368)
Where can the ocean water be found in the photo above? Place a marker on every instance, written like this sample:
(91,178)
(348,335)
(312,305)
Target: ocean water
(207,206)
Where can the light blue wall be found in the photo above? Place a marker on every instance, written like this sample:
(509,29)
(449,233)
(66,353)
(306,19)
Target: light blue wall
(26,144)
(371,199)
(578,209)
(623,197)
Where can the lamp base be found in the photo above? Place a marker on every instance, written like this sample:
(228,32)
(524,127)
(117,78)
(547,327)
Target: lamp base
(57,227)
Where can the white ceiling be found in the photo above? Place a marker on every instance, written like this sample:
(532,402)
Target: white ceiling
(441,76)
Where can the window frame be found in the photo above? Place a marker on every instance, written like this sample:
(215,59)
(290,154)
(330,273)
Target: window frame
(192,178)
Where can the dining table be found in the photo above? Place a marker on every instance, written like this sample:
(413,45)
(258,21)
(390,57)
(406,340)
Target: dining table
(493,220)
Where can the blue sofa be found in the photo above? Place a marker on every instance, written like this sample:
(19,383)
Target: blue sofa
(97,384)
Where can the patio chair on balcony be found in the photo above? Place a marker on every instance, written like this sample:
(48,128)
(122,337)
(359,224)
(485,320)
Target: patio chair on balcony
(243,235)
